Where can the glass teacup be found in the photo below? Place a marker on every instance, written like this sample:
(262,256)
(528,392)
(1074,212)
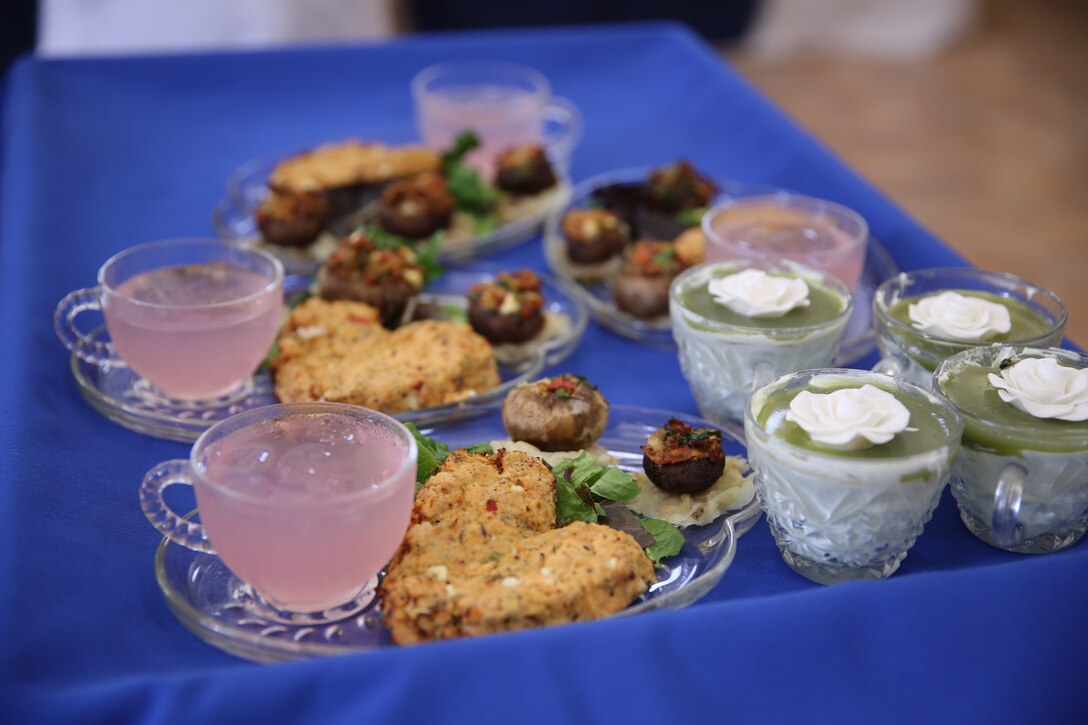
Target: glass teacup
(192,317)
(1021,481)
(504,103)
(842,514)
(304,502)
(1036,316)
(774,227)
(725,356)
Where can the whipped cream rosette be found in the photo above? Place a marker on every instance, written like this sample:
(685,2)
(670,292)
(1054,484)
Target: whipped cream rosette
(950,314)
(1043,388)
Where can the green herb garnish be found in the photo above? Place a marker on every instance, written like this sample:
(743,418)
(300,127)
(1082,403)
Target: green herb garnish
(426,249)
(481,448)
(691,217)
(668,541)
(431,455)
(455,313)
(469,191)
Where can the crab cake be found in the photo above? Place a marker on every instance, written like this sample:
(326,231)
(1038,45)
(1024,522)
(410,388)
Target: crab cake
(482,555)
(339,352)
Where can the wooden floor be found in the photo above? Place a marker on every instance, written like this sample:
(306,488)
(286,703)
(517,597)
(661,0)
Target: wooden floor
(986,145)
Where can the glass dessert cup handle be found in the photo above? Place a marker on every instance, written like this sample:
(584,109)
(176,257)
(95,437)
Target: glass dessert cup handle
(1007,498)
(81,345)
(897,365)
(562,129)
(178,529)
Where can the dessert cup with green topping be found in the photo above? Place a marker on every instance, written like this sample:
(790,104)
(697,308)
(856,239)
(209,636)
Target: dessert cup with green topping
(1036,318)
(838,514)
(1021,481)
(724,355)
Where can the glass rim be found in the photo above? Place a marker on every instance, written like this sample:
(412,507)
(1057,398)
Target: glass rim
(789,200)
(422,79)
(1012,349)
(279,410)
(882,315)
(809,273)
(273,283)
(949,414)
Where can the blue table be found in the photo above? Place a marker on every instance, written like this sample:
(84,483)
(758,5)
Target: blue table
(100,155)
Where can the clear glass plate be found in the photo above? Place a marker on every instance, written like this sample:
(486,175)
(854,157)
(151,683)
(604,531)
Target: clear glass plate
(125,398)
(860,338)
(212,603)
(234,222)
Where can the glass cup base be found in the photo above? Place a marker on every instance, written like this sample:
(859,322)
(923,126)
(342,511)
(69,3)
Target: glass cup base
(259,606)
(829,572)
(156,399)
(1043,544)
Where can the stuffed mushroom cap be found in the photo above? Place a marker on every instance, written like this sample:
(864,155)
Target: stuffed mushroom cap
(562,413)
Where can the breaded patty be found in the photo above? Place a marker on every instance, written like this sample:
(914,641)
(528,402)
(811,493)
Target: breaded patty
(482,555)
(339,352)
(351,162)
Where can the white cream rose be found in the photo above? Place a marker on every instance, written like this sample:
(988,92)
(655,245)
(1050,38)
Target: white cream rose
(1043,388)
(754,293)
(960,317)
(849,419)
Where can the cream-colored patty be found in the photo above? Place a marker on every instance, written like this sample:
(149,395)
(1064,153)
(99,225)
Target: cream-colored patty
(339,352)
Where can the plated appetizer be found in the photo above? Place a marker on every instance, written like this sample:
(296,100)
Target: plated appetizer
(508,535)
(298,207)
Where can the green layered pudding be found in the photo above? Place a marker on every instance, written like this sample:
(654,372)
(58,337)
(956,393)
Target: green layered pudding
(737,325)
(926,316)
(1042,456)
(849,467)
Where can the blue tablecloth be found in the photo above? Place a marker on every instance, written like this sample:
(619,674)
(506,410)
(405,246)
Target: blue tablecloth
(100,155)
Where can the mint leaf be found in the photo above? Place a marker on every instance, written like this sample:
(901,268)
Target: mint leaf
(481,448)
(569,506)
(431,455)
(604,481)
(668,541)
(469,191)
(465,142)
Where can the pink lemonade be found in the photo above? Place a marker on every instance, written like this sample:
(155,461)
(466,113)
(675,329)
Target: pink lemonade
(306,507)
(197,330)
(771,233)
(501,116)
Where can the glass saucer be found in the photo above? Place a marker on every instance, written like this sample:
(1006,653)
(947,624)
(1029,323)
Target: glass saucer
(596,292)
(125,398)
(212,603)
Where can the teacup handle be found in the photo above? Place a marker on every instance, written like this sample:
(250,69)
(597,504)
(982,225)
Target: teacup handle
(895,366)
(64,322)
(1007,499)
(189,534)
(562,128)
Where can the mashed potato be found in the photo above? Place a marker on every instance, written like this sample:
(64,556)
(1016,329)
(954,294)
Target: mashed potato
(730,492)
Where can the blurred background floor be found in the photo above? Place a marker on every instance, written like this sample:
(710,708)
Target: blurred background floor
(986,143)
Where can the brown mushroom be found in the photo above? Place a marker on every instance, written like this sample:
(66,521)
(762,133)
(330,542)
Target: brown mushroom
(563,413)
(679,458)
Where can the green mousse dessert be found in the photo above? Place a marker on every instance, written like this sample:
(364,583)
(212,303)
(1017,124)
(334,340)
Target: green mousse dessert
(849,467)
(1025,445)
(926,316)
(738,324)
